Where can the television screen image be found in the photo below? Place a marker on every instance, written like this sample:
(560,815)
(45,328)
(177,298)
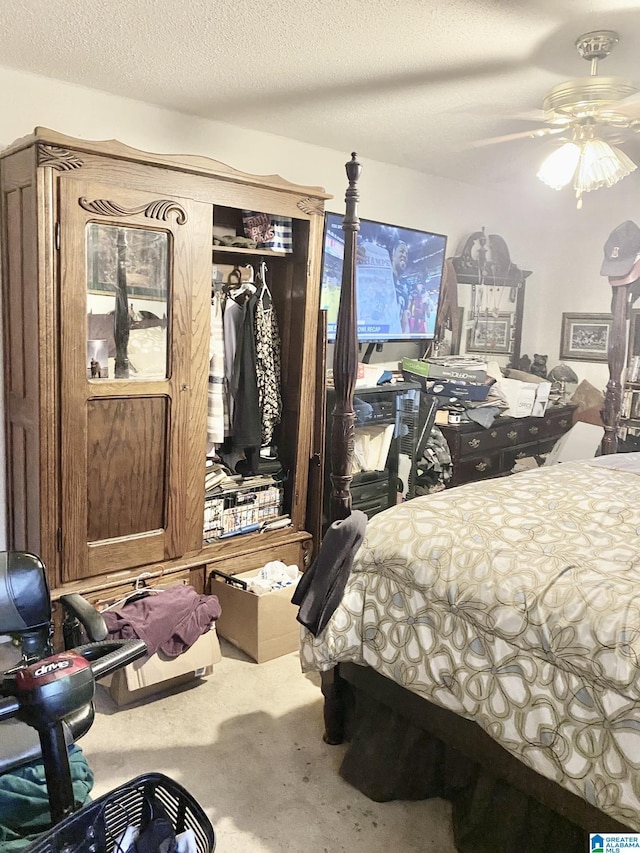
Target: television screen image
(398,280)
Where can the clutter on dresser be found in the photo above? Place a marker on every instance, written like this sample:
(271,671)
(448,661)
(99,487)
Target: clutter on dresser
(478,390)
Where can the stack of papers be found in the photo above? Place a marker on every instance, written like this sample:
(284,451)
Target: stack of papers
(371,448)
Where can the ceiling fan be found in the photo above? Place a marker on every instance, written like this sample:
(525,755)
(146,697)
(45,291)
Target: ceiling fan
(605,102)
(590,115)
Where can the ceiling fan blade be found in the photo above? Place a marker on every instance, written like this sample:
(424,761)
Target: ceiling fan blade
(530,115)
(524,134)
(627,106)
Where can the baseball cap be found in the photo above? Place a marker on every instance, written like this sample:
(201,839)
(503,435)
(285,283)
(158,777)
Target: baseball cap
(621,250)
(632,276)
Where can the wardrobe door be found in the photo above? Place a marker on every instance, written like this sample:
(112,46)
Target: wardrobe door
(135,282)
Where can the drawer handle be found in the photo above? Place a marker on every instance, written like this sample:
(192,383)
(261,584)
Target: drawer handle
(533,430)
(474,442)
(512,433)
(494,433)
(521,455)
(564,422)
(482,466)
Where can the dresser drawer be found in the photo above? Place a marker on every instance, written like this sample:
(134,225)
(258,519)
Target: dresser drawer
(556,423)
(470,443)
(468,470)
(504,435)
(531,429)
(512,455)
(547,445)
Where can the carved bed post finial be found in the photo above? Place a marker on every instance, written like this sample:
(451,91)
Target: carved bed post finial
(345,356)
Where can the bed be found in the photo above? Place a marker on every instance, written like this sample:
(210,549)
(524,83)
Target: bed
(486,647)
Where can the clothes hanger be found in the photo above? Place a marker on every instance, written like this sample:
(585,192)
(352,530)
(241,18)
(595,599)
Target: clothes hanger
(262,277)
(140,590)
(237,287)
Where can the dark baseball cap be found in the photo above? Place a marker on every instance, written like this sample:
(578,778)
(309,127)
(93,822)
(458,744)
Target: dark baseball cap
(621,250)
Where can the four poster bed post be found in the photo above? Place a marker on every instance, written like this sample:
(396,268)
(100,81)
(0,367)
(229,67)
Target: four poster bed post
(345,368)
(616,355)
(345,358)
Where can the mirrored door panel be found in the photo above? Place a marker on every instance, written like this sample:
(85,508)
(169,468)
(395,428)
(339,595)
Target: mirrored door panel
(127,302)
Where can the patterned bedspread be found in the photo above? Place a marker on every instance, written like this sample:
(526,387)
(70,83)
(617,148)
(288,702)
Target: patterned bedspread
(516,603)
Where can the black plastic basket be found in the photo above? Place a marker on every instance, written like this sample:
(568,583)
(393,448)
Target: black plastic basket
(96,827)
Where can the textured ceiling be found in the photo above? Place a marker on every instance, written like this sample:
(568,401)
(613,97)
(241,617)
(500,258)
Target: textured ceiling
(410,82)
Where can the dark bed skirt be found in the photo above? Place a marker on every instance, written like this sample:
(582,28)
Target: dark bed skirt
(395,754)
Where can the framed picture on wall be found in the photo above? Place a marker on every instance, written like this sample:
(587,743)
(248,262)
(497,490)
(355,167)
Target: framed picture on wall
(490,334)
(585,337)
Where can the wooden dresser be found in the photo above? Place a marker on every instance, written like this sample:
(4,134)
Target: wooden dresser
(478,452)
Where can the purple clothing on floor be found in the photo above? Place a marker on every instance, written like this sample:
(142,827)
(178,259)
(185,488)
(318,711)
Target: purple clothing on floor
(169,621)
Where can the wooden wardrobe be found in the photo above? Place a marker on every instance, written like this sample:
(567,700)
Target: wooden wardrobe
(105,474)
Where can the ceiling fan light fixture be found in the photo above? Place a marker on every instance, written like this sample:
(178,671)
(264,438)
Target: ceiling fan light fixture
(559,167)
(600,165)
(588,108)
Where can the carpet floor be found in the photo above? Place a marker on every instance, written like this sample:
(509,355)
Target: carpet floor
(247,743)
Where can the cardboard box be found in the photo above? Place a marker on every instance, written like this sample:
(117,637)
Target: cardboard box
(454,368)
(520,397)
(454,389)
(264,626)
(155,673)
(525,398)
(458,390)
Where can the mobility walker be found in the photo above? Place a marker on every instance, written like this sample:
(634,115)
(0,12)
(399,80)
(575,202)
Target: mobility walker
(46,703)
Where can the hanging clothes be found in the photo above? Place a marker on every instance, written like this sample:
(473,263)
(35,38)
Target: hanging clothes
(245,428)
(217,398)
(268,360)
(232,324)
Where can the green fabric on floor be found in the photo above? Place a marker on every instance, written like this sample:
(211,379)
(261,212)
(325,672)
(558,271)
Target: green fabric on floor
(24,806)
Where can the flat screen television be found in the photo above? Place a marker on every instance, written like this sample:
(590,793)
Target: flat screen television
(398,280)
